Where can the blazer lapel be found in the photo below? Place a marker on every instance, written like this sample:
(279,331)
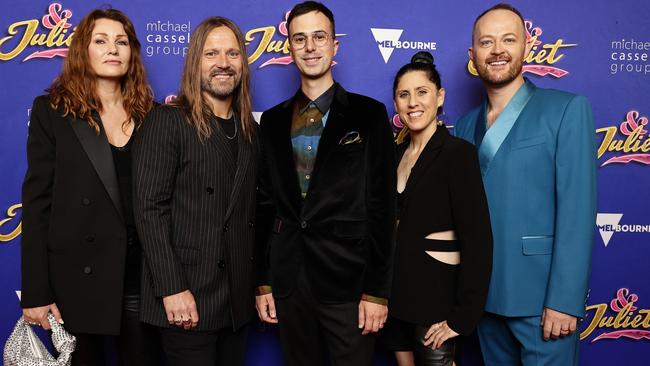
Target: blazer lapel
(427,157)
(243,160)
(281,145)
(333,131)
(99,152)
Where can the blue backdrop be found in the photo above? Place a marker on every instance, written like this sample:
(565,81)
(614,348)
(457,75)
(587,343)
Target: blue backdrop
(595,48)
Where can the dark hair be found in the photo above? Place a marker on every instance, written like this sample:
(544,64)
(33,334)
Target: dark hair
(309,6)
(500,6)
(421,61)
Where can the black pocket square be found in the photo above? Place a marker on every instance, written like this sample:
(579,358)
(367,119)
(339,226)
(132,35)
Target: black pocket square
(352,137)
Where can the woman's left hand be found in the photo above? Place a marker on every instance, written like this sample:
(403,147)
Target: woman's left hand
(438,334)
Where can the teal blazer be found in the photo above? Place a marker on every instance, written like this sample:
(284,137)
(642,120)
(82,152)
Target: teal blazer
(541,190)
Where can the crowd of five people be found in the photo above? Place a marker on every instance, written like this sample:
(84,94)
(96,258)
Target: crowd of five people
(166,227)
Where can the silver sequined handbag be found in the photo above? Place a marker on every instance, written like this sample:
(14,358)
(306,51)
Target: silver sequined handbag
(24,348)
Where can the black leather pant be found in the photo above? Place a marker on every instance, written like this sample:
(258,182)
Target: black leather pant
(426,356)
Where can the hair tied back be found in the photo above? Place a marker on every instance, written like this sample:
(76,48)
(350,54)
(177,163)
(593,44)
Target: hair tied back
(422,57)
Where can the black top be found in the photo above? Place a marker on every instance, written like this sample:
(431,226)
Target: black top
(122,161)
(444,192)
(231,131)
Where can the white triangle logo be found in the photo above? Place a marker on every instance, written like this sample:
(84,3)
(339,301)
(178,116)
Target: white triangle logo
(605,221)
(385,38)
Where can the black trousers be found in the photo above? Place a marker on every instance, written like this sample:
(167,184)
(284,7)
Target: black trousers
(210,348)
(312,332)
(138,343)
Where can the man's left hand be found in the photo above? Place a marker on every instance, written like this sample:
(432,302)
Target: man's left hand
(557,324)
(372,317)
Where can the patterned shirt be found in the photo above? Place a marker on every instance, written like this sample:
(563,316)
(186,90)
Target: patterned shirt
(307,123)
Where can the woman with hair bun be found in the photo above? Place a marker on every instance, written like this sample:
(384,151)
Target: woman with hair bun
(80,255)
(443,255)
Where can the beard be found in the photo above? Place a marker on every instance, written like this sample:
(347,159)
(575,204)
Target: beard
(515,67)
(220,89)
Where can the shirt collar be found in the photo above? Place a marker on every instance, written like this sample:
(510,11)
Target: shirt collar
(323,102)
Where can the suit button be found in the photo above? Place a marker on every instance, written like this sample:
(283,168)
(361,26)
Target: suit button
(225,228)
(90,238)
(85,201)
(88,270)
(303,224)
(130,241)
(251,224)
(221,264)
(252,259)
(210,190)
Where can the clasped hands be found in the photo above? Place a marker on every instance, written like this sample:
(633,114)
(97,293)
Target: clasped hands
(181,310)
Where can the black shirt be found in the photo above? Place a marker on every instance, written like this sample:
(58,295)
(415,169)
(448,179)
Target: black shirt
(122,162)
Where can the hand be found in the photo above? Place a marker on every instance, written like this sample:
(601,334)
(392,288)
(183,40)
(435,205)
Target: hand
(181,310)
(38,315)
(266,308)
(437,335)
(371,316)
(557,324)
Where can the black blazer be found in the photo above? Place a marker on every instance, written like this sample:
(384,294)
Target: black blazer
(74,235)
(341,233)
(444,192)
(194,209)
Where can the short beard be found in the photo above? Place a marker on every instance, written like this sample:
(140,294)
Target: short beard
(217,91)
(514,71)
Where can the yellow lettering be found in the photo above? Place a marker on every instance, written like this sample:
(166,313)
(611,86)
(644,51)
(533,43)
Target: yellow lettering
(595,321)
(30,28)
(267,34)
(610,132)
(11,212)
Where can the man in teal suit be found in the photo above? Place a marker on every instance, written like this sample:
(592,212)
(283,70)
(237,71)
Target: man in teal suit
(537,155)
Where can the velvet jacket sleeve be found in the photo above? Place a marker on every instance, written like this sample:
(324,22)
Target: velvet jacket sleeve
(380,205)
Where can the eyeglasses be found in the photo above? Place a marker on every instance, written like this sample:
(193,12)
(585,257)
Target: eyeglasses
(299,40)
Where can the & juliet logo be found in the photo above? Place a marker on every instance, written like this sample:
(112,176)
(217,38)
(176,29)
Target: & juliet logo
(56,39)
(621,318)
(542,57)
(265,42)
(10,227)
(631,145)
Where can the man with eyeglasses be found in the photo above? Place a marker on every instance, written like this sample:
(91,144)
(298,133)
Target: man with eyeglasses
(326,207)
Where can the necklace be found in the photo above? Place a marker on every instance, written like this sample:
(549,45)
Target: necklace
(234,134)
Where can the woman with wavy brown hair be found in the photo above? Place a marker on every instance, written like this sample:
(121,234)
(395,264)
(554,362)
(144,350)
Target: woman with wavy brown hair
(81,257)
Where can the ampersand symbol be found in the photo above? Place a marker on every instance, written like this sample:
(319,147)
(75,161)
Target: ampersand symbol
(55,15)
(630,124)
(622,299)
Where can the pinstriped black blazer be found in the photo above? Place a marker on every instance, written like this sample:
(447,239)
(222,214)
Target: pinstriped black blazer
(194,209)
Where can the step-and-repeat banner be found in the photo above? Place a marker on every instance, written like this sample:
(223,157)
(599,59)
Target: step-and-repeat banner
(600,49)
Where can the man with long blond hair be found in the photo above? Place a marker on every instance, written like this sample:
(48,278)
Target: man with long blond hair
(195,175)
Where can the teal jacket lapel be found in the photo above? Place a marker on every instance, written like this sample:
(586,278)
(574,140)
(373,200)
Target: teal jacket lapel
(494,136)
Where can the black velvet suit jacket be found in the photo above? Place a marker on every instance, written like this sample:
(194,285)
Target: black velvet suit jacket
(74,236)
(341,233)
(194,208)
